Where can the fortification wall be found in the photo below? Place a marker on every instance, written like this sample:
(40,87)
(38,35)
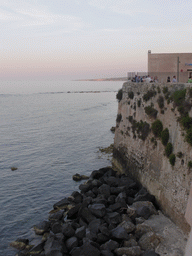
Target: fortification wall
(143,156)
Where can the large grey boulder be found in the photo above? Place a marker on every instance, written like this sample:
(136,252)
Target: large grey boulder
(53,247)
(80,232)
(86,214)
(119,233)
(71,243)
(104,190)
(98,210)
(68,230)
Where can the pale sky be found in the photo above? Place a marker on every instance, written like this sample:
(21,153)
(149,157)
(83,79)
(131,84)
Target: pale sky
(75,39)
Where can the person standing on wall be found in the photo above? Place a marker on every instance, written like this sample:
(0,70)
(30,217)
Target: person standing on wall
(168,79)
(174,79)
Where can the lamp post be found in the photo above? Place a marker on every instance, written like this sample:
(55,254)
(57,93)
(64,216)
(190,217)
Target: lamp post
(178,69)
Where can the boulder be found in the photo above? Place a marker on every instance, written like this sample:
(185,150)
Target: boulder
(127,225)
(131,251)
(94,225)
(71,243)
(56,216)
(76,251)
(149,241)
(112,181)
(142,229)
(113,218)
(88,249)
(130,243)
(104,230)
(61,203)
(104,190)
(37,249)
(77,177)
(111,199)
(68,230)
(98,210)
(80,232)
(56,228)
(119,233)
(78,198)
(42,227)
(138,206)
(115,206)
(110,245)
(101,238)
(91,235)
(85,187)
(72,213)
(86,214)
(54,248)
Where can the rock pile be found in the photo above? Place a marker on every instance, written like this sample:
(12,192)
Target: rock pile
(104,219)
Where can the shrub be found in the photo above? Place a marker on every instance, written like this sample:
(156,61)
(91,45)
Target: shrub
(149,95)
(119,117)
(157,128)
(165,89)
(119,95)
(189,136)
(160,101)
(190,92)
(131,95)
(186,121)
(158,89)
(172,159)
(168,149)
(142,129)
(139,103)
(165,136)
(150,111)
(190,164)
(179,97)
(130,119)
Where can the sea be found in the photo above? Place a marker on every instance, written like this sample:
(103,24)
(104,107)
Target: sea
(49,130)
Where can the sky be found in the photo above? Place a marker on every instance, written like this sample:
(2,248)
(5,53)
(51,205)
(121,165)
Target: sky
(82,39)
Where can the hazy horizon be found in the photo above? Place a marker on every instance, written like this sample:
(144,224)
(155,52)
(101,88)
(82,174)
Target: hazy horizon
(87,39)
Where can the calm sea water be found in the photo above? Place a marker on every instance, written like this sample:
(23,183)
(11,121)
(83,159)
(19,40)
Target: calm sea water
(49,134)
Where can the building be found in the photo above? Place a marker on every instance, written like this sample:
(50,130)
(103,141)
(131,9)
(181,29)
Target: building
(163,65)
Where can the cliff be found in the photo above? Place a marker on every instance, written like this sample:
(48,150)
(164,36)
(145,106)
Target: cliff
(161,162)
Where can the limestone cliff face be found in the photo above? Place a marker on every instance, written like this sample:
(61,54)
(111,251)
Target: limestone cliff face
(144,157)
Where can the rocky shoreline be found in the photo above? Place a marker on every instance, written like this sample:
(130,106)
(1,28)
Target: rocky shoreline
(107,217)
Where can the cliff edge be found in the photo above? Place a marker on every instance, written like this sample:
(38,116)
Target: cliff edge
(153,142)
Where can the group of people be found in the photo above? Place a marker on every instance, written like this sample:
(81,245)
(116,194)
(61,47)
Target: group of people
(174,80)
(146,79)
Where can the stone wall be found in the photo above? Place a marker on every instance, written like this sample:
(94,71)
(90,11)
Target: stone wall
(144,158)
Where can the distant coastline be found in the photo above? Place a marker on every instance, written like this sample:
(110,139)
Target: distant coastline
(105,79)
